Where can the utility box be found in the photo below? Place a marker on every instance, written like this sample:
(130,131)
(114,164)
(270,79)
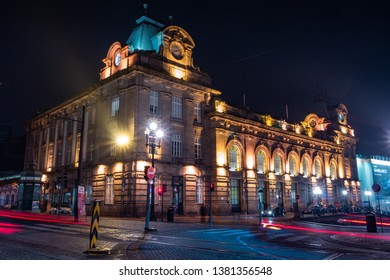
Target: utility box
(170,214)
(371,222)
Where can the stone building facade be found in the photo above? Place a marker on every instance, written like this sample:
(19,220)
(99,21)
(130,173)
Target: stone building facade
(253,160)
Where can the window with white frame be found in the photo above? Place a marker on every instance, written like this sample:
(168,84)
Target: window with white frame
(197,146)
(199,190)
(332,171)
(317,168)
(293,166)
(278,164)
(176,145)
(109,190)
(153,102)
(261,162)
(305,167)
(234,159)
(115,106)
(197,112)
(177,107)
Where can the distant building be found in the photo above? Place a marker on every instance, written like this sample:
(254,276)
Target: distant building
(9,185)
(375,170)
(253,160)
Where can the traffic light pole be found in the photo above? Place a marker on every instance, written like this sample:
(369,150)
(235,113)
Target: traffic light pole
(79,169)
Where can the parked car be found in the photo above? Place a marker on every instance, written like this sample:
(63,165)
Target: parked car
(273,212)
(64,209)
(315,210)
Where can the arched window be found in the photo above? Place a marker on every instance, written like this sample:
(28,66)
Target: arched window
(234,159)
(305,167)
(332,171)
(261,162)
(293,166)
(317,169)
(278,164)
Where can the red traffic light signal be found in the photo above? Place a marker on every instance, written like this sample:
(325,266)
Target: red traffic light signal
(212,187)
(160,190)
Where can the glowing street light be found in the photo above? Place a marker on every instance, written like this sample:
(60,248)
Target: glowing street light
(153,137)
(122,141)
(345,193)
(318,192)
(368,194)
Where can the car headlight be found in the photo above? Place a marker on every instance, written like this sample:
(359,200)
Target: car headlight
(269,212)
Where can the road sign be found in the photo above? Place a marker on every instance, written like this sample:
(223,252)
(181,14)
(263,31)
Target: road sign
(150,173)
(376,187)
(58,187)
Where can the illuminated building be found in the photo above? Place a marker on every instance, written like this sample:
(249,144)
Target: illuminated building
(250,158)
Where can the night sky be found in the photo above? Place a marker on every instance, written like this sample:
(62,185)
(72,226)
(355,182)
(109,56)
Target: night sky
(276,53)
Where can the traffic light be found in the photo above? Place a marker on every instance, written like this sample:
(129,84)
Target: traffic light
(160,190)
(165,188)
(64,178)
(59,181)
(212,187)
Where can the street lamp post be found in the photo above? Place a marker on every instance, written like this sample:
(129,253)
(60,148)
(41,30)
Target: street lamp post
(368,195)
(153,137)
(122,141)
(345,193)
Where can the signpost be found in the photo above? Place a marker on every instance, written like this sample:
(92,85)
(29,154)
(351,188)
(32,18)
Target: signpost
(377,188)
(150,173)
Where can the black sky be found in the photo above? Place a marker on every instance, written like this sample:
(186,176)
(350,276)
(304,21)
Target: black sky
(274,52)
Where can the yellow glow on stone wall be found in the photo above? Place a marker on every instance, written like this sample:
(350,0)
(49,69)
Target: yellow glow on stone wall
(249,162)
(221,159)
(177,73)
(141,165)
(118,167)
(101,169)
(221,171)
(190,170)
(220,106)
(268,120)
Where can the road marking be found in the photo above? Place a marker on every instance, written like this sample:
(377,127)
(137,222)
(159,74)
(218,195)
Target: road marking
(209,229)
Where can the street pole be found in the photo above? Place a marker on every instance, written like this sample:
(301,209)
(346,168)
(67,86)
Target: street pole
(79,169)
(123,185)
(152,214)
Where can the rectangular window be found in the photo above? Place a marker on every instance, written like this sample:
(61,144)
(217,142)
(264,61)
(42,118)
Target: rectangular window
(176,145)
(115,106)
(197,112)
(197,146)
(177,107)
(109,191)
(88,194)
(199,190)
(153,102)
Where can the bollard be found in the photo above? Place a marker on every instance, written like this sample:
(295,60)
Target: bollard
(94,230)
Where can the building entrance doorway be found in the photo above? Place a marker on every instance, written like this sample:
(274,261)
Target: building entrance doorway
(235,197)
(177,194)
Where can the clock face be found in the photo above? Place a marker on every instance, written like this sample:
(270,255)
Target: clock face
(117,59)
(341,117)
(176,50)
